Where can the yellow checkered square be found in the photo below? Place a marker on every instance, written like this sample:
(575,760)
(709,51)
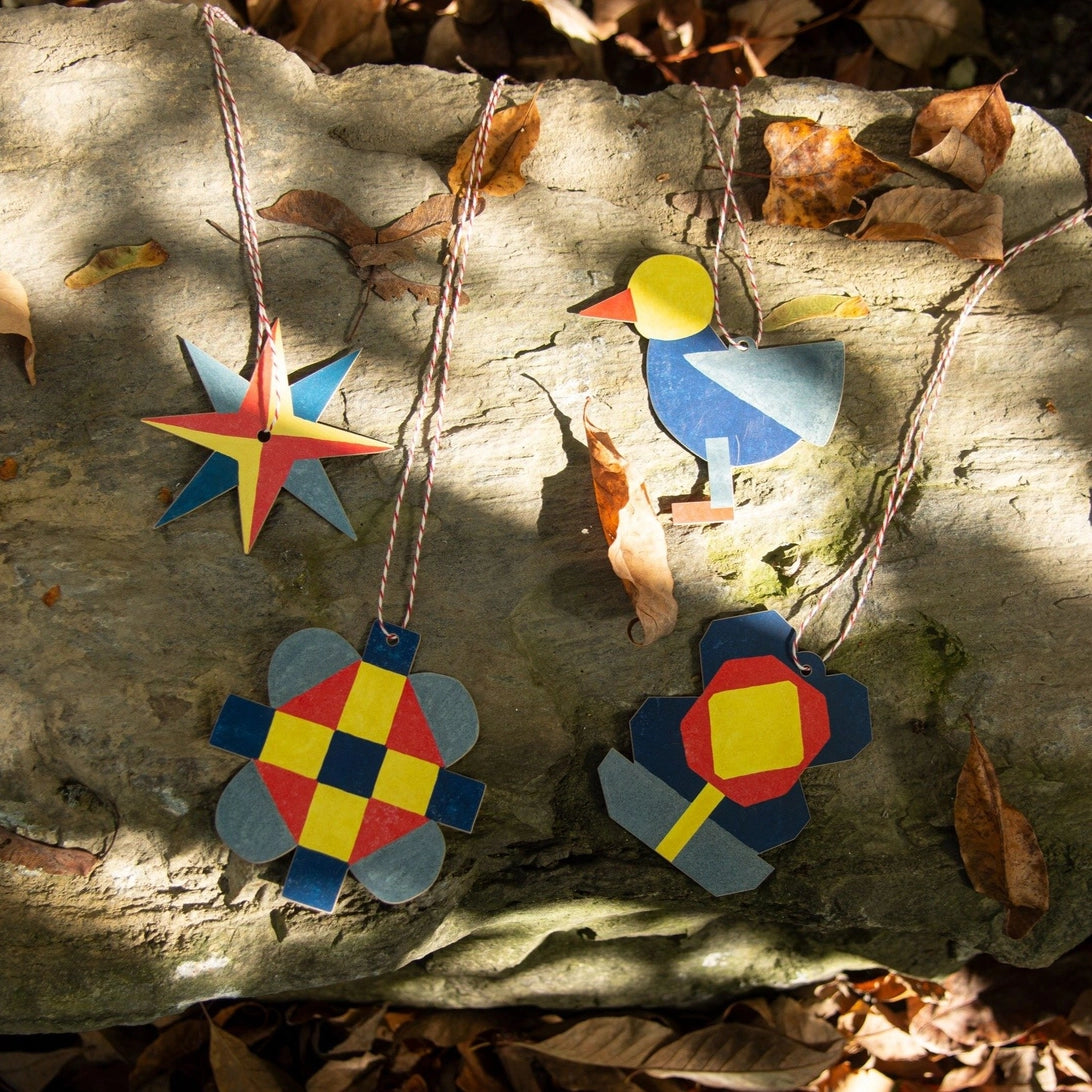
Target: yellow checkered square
(296,744)
(406,782)
(333,822)
(372,702)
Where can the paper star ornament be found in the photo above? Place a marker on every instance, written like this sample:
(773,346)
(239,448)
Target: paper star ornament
(254,458)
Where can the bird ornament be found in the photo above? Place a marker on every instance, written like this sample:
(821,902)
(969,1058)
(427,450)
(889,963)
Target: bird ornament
(730,405)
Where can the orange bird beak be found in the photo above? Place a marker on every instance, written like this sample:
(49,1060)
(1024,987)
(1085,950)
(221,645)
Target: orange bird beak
(618,307)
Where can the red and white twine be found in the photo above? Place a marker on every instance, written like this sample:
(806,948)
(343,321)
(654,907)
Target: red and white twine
(728,200)
(439,361)
(240,185)
(910,454)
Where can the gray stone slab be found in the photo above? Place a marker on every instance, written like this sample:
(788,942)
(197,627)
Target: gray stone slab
(109,134)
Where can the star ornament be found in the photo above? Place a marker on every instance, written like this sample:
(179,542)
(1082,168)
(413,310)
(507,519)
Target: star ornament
(255,457)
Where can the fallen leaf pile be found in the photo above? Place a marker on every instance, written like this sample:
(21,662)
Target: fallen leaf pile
(636,546)
(817,173)
(372,251)
(987,1025)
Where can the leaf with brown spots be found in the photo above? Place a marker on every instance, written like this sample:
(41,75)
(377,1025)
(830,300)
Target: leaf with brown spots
(968,224)
(114,260)
(512,138)
(636,546)
(923,32)
(965,133)
(42,857)
(998,846)
(816,171)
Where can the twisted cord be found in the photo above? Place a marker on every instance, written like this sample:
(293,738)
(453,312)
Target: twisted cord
(240,185)
(913,446)
(728,200)
(439,361)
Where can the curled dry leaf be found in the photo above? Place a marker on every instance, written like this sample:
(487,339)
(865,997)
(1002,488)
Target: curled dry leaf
(636,545)
(968,224)
(620,1042)
(965,133)
(42,857)
(15,319)
(512,138)
(923,32)
(998,846)
(769,25)
(816,172)
(114,260)
(811,307)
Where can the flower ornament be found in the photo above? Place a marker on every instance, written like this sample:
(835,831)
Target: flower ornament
(715,779)
(349,767)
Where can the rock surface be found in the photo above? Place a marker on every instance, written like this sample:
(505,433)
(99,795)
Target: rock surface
(982,606)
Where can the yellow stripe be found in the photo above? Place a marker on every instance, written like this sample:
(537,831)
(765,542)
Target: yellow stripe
(686,826)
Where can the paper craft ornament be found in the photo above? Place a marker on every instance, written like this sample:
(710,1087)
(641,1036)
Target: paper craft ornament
(349,767)
(265,436)
(714,780)
(731,405)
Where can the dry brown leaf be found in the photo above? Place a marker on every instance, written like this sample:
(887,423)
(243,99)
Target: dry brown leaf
(33,1072)
(681,26)
(163,1053)
(965,133)
(8,469)
(356,29)
(998,846)
(116,259)
(815,173)
(369,249)
(472,1076)
(618,1042)
(342,1074)
(968,224)
(15,319)
(512,138)
(569,20)
(877,1035)
(743,1057)
(923,32)
(636,546)
(1080,1016)
(236,1069)
(812,307)
(42,857)
(318,210)
(769,25)
(52,595)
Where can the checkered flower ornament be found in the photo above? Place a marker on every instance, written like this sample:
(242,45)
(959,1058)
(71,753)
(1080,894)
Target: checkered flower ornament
(349,767)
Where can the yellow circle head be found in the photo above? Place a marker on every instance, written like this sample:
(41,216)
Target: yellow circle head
(672,297)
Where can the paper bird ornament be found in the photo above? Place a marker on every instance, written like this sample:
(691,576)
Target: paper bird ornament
(714,780)
(731,406)
(349,767)
(254,458)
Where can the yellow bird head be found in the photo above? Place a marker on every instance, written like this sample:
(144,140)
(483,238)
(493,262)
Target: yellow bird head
(669,297)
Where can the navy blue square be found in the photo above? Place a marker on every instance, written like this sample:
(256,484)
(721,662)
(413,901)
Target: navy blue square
(242,727)
(314,879)
(352,763)
(455,800)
